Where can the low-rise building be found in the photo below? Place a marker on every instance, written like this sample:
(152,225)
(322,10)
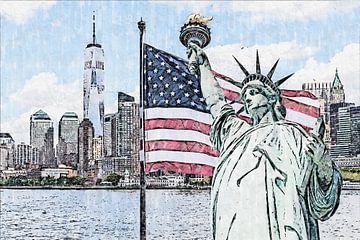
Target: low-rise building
(61,171)
(11,172)
(165,181)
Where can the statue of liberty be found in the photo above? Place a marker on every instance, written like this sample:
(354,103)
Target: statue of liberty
(273,180)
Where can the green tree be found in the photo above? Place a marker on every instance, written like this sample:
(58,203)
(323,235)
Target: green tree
(113,178)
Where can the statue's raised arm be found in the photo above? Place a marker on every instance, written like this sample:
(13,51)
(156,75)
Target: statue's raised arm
(199,64)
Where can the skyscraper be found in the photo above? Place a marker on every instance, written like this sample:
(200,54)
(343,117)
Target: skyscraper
(337,90)
(355,130)
(127,133)
(67,150)
(42,136)
(24,155)
(328,93)
(7,151)
(108,134)
(334,119)
(121,138)
(85,146)
(93,86)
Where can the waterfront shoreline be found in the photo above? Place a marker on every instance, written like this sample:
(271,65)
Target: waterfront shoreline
(99,188)
(347,186)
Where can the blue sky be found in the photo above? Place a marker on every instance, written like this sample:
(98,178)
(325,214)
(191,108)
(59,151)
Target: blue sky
(42,46)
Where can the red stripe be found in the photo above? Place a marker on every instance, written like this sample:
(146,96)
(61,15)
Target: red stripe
(245,118)
(189,168)
(301,107)
(178,124)
(297,93)
(231,95)
(181,146)
(219,75)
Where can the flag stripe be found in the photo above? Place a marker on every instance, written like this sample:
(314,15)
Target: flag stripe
(178,124)
(300,107)
(177,113)
(185,157)
(190,168)
(178,135)
(182,146)
(300,118)
(297,93)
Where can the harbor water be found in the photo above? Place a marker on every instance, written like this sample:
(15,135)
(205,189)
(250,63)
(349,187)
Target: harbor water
(114,214)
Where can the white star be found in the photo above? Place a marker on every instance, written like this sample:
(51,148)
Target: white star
(187,94)
(161,93)
(155,85)
(162,63)
(172,93)
(196,90)
(161,78)
(166,101)
(150,49)
(157,55)
(145,56)
(155,70)
(171,59)
(154,101)
(149,63)
(168,71)
(178,101)
(177,66)
(149,78)
(190,82)
(183,74)
(192,104)
(174,79)
(166,85)
(149,94)
(201,99)
(181,86)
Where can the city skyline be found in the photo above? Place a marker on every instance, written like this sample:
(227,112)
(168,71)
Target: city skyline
(51,77)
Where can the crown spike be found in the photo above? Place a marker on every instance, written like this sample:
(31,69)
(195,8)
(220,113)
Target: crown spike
(258,70)
(242,67)
(237,84)
(281,81)
(269,75)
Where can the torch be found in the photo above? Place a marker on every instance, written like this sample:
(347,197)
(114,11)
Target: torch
(196,31)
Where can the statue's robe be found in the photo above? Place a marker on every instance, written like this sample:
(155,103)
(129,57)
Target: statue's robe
(265,186)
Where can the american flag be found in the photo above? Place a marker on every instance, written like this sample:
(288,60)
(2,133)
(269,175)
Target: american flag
(177,119)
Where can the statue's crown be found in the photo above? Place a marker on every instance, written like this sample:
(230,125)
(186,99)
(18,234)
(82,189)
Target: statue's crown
(257,78)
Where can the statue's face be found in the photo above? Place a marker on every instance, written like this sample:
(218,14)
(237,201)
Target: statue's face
(255,101)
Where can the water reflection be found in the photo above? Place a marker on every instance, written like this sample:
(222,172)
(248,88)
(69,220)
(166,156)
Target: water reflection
(100,214)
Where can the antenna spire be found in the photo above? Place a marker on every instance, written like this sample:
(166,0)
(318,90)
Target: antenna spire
(94,40)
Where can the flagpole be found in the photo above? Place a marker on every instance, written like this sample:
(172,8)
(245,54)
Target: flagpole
(141,26)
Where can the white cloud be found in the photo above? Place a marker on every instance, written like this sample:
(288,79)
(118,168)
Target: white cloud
(44,91)
(265,10)
(135,94)
(347,61)
(21,11)
(222,60)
